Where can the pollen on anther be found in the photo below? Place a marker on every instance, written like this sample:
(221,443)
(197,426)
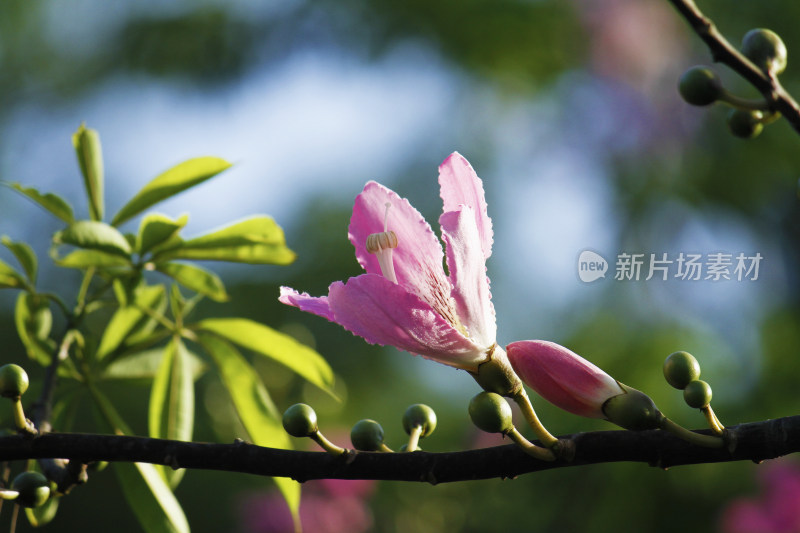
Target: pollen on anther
(381,241)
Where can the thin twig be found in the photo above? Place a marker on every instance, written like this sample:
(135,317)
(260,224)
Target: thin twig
(723,52)
(754,442)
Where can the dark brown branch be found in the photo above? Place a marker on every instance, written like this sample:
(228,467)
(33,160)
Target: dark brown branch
(723,52)
(754,441)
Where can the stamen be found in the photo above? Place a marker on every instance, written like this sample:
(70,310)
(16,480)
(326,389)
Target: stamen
(386,216)
(381,244)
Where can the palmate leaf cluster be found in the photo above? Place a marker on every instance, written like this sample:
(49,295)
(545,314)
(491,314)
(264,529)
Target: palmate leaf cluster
(130,321)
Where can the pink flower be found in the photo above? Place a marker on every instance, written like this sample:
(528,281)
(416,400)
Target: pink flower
(405,299)
(778,509)
(562,377)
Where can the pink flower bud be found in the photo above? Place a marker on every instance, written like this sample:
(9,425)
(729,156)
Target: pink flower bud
(562,377)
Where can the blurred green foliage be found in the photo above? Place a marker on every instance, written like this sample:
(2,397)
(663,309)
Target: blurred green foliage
(684,167)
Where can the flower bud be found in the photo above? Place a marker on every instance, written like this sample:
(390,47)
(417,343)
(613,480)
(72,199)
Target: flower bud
(419,415)
(697,394)
(766,50)
(745,124)
(13,381)
(562,377)
(300,420)
(681,368)
(633,410)
(367,436)
(491,413)
(33,488)
(700,86)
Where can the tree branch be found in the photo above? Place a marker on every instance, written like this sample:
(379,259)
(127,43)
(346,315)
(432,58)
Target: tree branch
(754,441)
(723,52)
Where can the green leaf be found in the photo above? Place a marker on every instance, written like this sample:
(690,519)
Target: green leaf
(93,235)
(10,278)
(282,348)
(151,499)
(51,202)
(254,406)
(175,180)
(38,349)
(195,278)
(127,318)
(90,258)
(24,255)
(90,158)
(156,229)
(256,240)
(171,414)
(144,366)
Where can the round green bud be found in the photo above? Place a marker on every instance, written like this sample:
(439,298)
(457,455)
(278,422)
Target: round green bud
(766,50)
(13,381)
(491,413)
(367,436)
(33,488)
(697,394)
(745,124)
(632,410)
(300,420)
(680,369)
(419,415)
(700,86)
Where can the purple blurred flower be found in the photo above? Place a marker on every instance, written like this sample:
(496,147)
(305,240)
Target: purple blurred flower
(778,508)
(327,506)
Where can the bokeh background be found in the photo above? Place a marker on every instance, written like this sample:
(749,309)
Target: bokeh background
(569,112)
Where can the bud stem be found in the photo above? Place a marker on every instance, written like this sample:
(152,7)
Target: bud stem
(524,403)
(22,423)
(385,448)
(738,102)
(713,421)
(706,441)
(528,447)
(327,445)
(413,438)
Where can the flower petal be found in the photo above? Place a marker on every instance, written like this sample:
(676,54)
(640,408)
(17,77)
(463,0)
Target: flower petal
(418,256)
(467,267)
(562,377)
(460,185)
(381,312)
(312,304)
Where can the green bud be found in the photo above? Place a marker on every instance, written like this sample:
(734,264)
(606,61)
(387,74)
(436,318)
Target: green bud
(13,381)
(766,50)
(745,124)
(300,420)
(491,413)
(680,369)
(419,415)
(33,488)
(700,86)
(697,394)
(632,410)
(367,436)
